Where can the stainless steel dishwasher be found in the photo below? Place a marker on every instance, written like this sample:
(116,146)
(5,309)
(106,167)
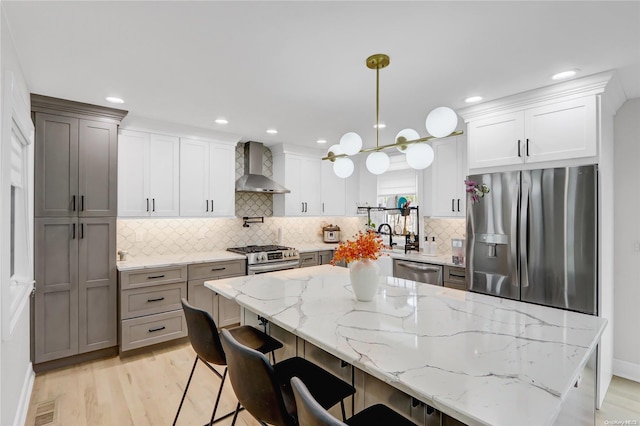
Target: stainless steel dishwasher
(418,271)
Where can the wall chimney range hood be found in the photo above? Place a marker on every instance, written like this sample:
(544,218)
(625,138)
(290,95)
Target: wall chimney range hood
(253,180)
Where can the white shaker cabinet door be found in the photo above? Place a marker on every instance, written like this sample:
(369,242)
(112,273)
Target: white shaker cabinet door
(311,193)
(133,167)
(333,191)
(164,191)
(561,131)
(447,195)
(222,187)
(194,178)
(496,141)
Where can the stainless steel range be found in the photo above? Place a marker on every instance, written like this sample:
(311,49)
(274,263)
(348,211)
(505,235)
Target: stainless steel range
(269,258)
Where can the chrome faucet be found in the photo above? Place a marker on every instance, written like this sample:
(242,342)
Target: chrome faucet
(391,243)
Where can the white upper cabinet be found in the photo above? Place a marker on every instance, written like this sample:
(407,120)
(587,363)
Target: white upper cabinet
(333,191)
(148,180)
(301,175)
(445,190)
(496,141)
(561,130)
(547,127)
(207,178)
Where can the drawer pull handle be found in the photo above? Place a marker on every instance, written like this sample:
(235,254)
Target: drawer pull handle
(151,330)
(158,299)
(457,276)
(151,277)
(218,269)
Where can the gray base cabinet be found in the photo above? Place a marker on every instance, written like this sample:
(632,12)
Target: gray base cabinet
(75,300)
(224,312)
(150,306)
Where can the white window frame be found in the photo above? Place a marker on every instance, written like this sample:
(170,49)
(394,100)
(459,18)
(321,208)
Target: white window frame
(16,126)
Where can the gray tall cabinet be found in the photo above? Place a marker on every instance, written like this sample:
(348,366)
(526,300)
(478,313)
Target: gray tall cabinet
(75,302)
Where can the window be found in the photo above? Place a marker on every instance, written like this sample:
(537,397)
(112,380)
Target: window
(16,273)
(399,181)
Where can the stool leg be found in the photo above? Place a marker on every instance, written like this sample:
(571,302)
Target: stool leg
(215,408)
(344,417)
(235,415)
(185,390)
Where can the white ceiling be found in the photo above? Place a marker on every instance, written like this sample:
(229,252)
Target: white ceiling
(300,66)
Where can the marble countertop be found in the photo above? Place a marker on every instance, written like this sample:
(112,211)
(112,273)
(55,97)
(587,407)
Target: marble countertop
(480,359)
(415,256)
(144,262)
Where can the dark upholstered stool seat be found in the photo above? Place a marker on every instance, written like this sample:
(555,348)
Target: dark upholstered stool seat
(326,388)
(312,413)
(205,340)
(264,390)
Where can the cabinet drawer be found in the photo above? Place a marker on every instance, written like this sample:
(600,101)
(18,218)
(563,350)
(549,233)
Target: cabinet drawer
(215,270)
(144,331)
(146,277)
(455,277)
(152,300)
(454,274)
(308,259)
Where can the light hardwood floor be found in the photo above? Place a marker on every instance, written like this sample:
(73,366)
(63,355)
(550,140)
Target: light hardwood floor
(146,390)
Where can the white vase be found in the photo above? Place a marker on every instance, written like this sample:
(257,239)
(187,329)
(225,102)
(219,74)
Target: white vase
(365,275)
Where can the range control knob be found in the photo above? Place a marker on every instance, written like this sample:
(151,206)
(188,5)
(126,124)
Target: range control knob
(262,256)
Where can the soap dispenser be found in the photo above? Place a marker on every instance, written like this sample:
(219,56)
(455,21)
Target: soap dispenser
(433,247)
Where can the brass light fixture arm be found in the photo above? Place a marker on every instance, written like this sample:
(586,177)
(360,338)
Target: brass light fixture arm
(400,143)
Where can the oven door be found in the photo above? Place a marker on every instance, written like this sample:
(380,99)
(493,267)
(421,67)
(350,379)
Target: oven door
(271,267)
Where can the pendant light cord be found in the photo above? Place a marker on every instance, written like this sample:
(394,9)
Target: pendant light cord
(377,106)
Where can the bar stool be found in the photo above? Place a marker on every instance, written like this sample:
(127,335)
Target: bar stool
(264,390)
(311,413)
(205,340)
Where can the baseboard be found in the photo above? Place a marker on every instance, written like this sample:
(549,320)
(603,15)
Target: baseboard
(25,396)
(627,370)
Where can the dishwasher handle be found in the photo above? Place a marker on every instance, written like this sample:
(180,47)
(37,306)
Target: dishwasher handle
(419,267)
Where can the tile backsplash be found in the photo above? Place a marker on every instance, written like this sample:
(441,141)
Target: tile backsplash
(444,230)
(151,237)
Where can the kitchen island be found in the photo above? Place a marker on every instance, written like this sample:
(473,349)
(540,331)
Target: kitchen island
(477,358)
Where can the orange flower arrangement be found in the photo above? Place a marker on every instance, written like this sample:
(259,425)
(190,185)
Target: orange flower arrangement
(366,246)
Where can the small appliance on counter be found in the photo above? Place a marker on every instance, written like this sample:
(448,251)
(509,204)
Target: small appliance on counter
(457,251)
(331,234)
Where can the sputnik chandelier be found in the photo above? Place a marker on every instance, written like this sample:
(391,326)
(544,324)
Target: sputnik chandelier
(441,122)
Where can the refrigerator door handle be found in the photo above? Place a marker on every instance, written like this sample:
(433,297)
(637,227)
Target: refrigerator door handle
(524,237)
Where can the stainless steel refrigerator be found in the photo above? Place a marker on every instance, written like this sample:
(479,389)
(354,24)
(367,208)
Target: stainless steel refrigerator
(534,237)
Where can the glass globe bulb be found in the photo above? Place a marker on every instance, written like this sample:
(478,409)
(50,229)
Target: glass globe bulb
(377,162)
(419,156)
(408,135)
(336,149)
(441,122)
(343,167)
(351,143)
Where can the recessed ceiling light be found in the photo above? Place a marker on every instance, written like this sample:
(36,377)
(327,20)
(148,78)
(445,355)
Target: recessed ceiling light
(473,99)
(379,126)
(221,121)
(114,100)
(564,75)
(321,141)
(272,131)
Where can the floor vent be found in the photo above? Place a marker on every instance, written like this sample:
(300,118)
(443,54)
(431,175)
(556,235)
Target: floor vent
(45,413)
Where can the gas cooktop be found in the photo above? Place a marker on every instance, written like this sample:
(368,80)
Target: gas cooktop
(259,249)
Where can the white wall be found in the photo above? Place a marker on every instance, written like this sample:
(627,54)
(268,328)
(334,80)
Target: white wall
(627,241)
(16,374)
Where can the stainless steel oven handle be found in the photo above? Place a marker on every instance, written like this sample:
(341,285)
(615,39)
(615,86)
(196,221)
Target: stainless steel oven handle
(273,266)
